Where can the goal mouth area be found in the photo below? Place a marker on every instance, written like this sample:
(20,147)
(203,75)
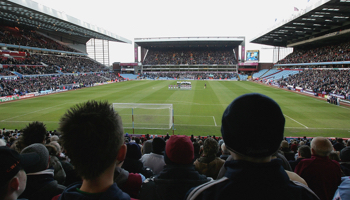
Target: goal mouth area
(145,115)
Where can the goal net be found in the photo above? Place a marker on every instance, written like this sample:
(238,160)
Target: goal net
(145,116)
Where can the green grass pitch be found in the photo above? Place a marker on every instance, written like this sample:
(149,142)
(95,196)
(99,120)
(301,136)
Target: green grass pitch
(197,111)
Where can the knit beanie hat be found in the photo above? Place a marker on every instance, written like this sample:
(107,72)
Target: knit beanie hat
(253,125)
(43,153)
(158,145)
(179,150)
(133,151)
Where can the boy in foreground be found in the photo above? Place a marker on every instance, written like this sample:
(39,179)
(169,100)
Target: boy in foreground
(92,135)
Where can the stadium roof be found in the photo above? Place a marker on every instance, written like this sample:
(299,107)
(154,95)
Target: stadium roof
(31,14)
(169,42)
(325,21)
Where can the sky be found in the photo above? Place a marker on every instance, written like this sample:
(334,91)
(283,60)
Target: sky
(182,18)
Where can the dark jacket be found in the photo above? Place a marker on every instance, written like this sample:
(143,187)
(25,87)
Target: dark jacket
(294,163)
(41,187)
(172,183)
(136,166)
(113,193)
(247,180)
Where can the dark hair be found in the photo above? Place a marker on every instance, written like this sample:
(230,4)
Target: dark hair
(196,147)
(34,132)
(137,140)
(305,151)
(210,146)
(92,134)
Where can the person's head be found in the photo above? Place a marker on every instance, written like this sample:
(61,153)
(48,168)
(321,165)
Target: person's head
(52,150)
(43,153)
(340,140)
(34,132)
(304,151)
(92,136)
(54,138)
(158,145)
(133,151)
(147,147)
(252,127)
(210,147)
(348,142)
(57,146)
(2,142)
(321,146)
(13,177)
(284,144)
(179,150)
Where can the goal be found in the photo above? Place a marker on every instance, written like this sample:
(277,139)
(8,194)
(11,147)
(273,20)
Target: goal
(145,115)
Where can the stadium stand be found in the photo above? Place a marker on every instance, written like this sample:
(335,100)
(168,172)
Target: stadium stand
(16,36)
(339,51)
(189,56)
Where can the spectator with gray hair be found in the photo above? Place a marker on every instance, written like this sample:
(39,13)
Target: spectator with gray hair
(321,174)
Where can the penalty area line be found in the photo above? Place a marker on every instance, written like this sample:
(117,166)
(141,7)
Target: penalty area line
(214,121)
(296,121)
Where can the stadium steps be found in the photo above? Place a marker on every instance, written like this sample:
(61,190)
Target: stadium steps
(18,74)
(260,73)
(272,74)
(284,74)
(129,76)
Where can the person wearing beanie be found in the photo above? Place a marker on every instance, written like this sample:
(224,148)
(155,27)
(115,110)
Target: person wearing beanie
(155,160)
(177,176)
(13,178)
(252,128)
(132,161)
(41,184)
(209,164)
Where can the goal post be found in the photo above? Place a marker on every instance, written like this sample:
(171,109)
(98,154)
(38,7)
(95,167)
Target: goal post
(145,115)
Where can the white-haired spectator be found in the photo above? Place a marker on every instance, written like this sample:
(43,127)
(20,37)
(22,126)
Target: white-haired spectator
(321,174)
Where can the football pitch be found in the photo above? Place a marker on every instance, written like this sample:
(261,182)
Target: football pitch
(197,111)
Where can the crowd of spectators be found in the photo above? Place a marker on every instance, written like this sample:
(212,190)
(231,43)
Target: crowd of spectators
(50,64)
(190,56)
(22,86)
(189,75)
(329,53)
(16,36)
(168,167)
(321,81)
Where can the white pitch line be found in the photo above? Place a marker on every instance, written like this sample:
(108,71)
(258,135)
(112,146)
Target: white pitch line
(33,112)
(344,129)
(214,121)
(295,121)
